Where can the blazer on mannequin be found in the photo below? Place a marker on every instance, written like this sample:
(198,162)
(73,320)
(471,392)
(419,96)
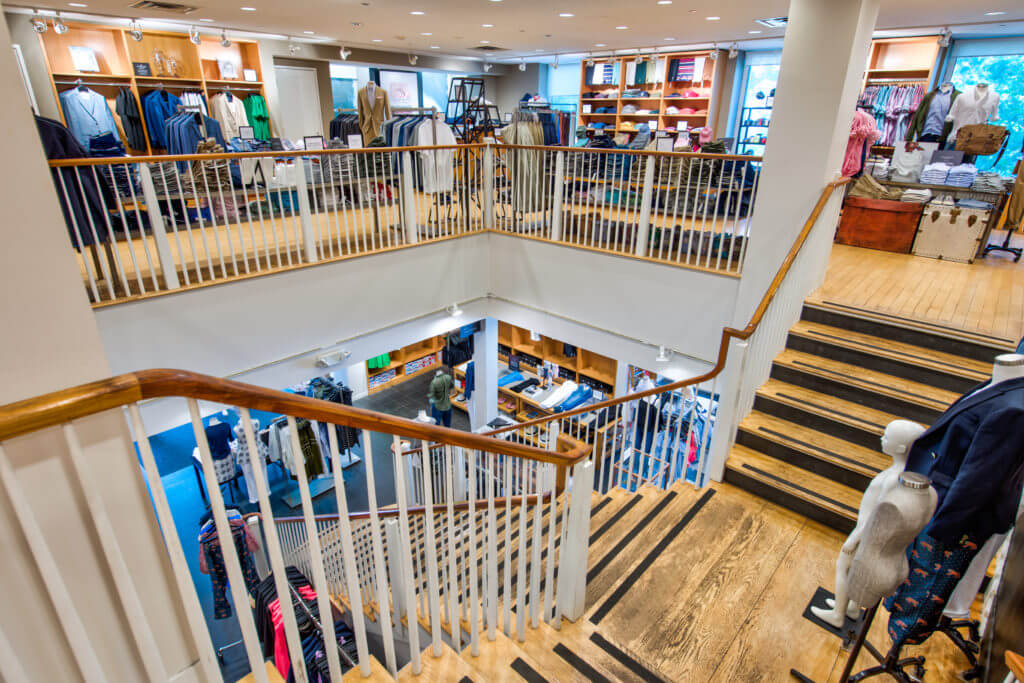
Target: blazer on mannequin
(974,455)
(373,114)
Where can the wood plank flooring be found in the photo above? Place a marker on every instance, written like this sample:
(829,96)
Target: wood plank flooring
(985,297)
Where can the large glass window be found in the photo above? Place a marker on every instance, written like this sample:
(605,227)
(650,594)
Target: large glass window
(756,98)
(1005,73)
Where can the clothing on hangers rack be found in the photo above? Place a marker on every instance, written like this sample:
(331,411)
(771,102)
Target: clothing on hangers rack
(892,106)
(344,123)
(158,106)
(259,115)
(87,114)
(556,125)
(131,119)
(211,560)
(230,113)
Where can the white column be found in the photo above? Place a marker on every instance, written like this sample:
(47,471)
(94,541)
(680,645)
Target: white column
(488,188)
(823,60)
(156,224)
(309,245)
(409,210)
(556,199)
(485,365)
(50,342)
(643,227)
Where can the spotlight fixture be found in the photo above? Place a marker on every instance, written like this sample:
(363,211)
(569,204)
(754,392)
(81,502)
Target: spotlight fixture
(945,36)
(638,59)
(293,48)
(344,52)
(487,67)
(135,31)
(589,61)
(534,336)
(522,65)
(413,59)
(554,65)
(664,355)
(59,27)
(714,52)
(38,25)
(454,310)
(224,39)
(734,51)
(193,35)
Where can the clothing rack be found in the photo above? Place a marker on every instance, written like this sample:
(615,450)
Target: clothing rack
(317,625)
(242,88)
(78,81)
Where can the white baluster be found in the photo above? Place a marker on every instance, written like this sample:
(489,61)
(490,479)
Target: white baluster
(406,552)
(524,487)
(475,543)
(378,558)
(491,568)
(549,577)
(453,578)
(572,572)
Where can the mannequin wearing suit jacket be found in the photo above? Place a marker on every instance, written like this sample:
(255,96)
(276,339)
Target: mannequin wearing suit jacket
(974,455)
(374,110)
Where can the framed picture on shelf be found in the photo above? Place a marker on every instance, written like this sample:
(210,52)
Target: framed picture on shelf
(313,142)
(246,133)
(84,58)
(249,75)
(228,70)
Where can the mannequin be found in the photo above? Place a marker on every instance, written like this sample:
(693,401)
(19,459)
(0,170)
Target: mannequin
(974,454)
(979,104)
(929,122)
(374,109)
(896,441)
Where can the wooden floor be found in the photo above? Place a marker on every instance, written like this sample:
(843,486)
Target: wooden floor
(983,298)
(724,600)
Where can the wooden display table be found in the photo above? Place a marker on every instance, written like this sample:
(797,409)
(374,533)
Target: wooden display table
(879,224)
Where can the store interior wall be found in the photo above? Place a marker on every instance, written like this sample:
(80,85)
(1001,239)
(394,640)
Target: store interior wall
(323,80)
(511,86)
(35,63)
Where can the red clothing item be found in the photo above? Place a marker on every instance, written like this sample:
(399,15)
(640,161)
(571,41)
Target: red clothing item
(863,129)
(280,640)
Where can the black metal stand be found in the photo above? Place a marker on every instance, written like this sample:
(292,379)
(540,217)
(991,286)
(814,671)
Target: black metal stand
(970,645)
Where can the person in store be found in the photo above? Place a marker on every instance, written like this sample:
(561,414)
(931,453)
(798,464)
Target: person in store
(440,396)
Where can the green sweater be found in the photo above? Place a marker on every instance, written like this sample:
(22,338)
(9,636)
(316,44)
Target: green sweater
(440,392)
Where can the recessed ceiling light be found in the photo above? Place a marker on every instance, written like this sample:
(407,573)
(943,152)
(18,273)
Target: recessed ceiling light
(753,31)
(435,47)
(670,39)
(377,40)
(208,21)
(565,14)
(621,28)
(308,33)
(485,42)
(487,25)
(539,49)
(713,18)
(664,2)
(77,4)
(993,14)
(599,45)
(247,9)
(693,11)
(426,34)
(417,13)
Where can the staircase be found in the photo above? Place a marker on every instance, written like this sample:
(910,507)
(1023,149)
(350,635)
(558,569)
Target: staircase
(812,441)
(629,534)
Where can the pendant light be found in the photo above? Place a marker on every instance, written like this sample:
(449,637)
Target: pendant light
(734,51)
(135,30)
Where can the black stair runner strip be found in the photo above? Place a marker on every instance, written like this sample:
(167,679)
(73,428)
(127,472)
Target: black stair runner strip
(578,663)
(653,555)
(920,322)
(625,659)
(515,555)
(527,672)
(823,451)
(640,526)
(623,511)
(465,679)
(819,335)
(843,375)
(803,489)
(827,410)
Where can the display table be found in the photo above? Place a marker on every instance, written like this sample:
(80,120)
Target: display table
(881,224)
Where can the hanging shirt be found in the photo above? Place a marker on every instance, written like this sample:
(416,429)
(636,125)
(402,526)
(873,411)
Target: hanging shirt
(436,166)
(937,110)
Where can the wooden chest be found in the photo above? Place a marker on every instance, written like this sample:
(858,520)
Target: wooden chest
(951,233)
(879,224)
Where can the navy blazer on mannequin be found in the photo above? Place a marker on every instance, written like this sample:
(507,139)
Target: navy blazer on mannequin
(974,455)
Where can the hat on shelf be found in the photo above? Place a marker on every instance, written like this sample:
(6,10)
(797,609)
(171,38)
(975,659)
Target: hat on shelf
(673,94)
(628,126)
(669,129)
(687,111)
(672,110)
(701,112)
(691,93)
(597,126)
(604,110)
(629,109)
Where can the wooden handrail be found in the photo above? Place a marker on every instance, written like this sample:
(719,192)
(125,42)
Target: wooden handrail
(637,152)
(59,407)
(439,508)
(102,161)
(727,333)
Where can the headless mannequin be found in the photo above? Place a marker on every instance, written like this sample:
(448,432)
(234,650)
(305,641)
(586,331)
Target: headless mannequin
(880,564)
(980,91)
(945,87)
(371,91)
(896,441)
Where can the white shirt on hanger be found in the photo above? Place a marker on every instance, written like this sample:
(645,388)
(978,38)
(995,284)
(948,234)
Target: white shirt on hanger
(444,180)
(230,114)
(973,107)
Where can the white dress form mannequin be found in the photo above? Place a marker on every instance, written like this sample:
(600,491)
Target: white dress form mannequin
(896,441)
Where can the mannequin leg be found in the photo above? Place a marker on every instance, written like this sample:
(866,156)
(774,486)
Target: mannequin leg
(959,604)
(835,615)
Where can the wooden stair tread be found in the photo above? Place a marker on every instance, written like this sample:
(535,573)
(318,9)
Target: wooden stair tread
(869,380)
(448,667)
(816,444)
(272,674)
(378,674)
(847,412)
(813,488)
(637,533)
(494,662)
(908,353)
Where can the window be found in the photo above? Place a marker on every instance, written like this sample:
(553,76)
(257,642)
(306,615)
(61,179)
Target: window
(1005,73)
(754,103)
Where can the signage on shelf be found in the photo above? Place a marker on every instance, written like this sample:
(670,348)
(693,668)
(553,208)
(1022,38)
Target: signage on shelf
(142,69)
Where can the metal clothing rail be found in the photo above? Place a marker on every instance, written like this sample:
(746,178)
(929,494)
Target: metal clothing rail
(118,84)
(319,627)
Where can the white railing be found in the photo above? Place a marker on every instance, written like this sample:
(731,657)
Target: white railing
(684,208)
(391,569)
(148,225)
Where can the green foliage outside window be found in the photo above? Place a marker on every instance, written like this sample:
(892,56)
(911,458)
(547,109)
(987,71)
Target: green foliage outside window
(1005,73)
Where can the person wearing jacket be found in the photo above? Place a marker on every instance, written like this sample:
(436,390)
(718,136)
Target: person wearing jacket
(928,125)
(440,396)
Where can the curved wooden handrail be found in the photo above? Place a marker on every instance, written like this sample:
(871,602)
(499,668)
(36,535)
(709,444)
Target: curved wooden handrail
(59,407)
(727,333)
(103,161)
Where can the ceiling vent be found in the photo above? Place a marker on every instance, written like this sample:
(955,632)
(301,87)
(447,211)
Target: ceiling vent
(170,7)
(488,48)
(776,22)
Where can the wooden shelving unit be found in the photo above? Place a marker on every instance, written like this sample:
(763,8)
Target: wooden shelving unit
(663,93)
(196,67)
(901,61)
(400,370)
